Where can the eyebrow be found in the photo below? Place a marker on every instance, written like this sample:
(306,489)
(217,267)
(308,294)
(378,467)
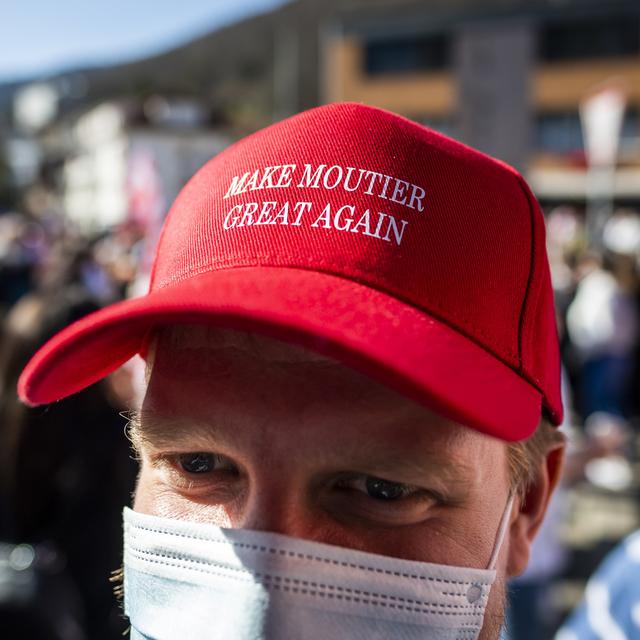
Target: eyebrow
(145,427)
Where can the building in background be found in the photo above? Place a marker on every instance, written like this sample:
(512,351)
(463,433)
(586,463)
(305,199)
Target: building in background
(115,161)
(505,77)
(129,160)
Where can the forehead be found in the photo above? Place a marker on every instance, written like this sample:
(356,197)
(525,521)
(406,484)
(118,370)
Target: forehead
(208,359)
(209,375)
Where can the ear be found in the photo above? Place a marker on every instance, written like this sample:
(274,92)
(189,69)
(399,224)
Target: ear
(529,513)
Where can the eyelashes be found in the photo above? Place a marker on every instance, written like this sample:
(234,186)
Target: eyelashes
(376,488)
(196,465)
(199,463)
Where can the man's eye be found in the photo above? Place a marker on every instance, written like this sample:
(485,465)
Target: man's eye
(196,462)
(200,463)
(378,488)
(385,490)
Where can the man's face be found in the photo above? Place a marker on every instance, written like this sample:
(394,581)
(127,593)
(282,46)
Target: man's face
(241,431)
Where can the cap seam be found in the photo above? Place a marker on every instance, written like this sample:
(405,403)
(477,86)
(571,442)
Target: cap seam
(530,276)
(521,370)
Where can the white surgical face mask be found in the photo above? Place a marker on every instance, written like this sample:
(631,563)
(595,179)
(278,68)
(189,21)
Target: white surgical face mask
(186,580)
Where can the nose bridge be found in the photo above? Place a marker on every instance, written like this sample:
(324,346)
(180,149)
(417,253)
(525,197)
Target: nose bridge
(277,500)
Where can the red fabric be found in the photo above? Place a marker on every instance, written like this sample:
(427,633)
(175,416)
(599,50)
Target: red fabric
(442,291)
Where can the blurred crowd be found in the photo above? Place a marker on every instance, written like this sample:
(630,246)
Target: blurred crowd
(67,470)
(597,289)
(597,292)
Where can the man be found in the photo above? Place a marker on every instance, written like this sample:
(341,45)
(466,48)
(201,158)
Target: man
(349,333)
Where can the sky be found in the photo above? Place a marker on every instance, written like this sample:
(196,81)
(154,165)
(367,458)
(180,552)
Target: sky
(38,37)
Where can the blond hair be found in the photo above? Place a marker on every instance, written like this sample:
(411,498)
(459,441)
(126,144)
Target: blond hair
(524,457)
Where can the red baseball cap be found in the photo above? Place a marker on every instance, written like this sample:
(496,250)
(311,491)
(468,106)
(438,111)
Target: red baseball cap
(362,235)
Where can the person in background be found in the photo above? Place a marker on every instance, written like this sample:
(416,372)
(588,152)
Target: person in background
(60,490)
(610,609)
(602,323)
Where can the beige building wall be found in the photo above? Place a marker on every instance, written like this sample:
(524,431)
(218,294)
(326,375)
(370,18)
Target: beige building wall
(561,87)
(431,95)
(554,87)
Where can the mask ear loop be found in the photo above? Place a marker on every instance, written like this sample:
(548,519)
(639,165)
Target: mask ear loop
(502,531)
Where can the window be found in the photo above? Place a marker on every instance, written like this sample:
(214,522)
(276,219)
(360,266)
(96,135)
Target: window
(558,133)
(601,37)
(630,134)
(561,133)
(402,55)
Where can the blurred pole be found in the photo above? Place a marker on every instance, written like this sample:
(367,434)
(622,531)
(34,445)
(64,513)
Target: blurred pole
(601,116)
(285,71)
(493,65)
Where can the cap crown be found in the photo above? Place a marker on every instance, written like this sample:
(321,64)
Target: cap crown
(365,194)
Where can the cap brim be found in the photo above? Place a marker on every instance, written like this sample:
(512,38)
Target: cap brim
(366,329)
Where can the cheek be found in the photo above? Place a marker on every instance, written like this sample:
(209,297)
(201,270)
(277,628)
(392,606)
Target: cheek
(461,536)
(154,498)
(466,535)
